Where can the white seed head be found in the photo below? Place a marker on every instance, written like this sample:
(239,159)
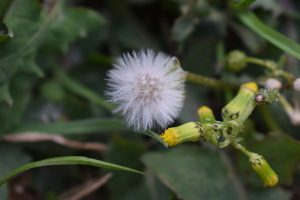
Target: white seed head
(147,88)
(296,84)
(273,83)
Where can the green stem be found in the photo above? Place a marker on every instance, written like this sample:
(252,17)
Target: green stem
(242,149)
(210,82)
(272,66)
(285,104)
(264,63)
(81,90)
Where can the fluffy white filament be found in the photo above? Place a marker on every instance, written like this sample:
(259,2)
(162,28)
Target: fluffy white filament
(147,88)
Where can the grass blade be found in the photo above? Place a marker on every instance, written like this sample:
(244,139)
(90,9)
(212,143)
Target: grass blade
(83,91)
(68,160)
(76,127)
(243,4)
(276,38)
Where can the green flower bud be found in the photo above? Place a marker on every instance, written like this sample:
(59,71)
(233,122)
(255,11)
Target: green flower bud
(188,132)
(206,115)
(242,105)
(236,60)
(263,169)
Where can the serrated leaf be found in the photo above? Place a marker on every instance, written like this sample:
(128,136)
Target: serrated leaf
(73,23)
(68,160)
(22,18)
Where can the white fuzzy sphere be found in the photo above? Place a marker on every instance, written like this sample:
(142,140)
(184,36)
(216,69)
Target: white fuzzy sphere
(297,84)
(273,83)
(147,89)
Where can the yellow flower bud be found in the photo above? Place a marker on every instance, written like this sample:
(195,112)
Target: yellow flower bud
(206,115)
(263,169)
(188,132)
(242,105)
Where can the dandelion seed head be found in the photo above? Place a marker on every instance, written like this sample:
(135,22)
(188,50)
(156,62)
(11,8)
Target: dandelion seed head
(147,88)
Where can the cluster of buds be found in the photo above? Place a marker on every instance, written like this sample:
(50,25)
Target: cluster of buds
(226,132)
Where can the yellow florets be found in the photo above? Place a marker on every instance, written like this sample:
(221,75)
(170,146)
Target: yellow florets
(188,132)
(251,86)
(169,137)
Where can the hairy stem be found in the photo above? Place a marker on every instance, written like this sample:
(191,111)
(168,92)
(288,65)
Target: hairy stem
(210,82)
(272,66)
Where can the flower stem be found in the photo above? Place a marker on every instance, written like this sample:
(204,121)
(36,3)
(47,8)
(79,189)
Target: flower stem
(210,82)
(242,149)
(272,66)
(285,104)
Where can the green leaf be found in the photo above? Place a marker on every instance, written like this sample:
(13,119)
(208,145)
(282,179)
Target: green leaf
(76,127)
(11,157)
(270,193)
(192,173)
(3,6)
(276,38)
(5,95)
(82,91)
(243,4)
(183,27)
(128,153)
(20,91)
(22,18)
(68,160)
(73,23)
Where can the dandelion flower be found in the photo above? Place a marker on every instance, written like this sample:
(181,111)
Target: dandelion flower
(147,88)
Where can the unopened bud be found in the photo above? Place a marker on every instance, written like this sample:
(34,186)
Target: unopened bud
(263,169)
(242,105)
(206,115)
(188,132)
(236,60)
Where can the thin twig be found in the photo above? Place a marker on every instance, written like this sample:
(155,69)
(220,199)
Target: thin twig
(58,139)
(81,191)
